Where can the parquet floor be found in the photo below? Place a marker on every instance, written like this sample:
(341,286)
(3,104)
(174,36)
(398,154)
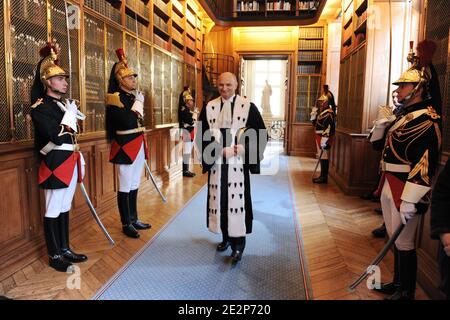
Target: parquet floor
(335,230)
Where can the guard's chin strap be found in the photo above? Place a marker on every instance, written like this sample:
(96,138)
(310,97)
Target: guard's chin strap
(411,94)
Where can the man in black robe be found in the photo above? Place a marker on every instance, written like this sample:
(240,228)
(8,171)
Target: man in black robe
(231,137)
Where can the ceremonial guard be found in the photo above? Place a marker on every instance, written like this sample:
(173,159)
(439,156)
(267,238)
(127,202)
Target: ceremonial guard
(186,123)
(123,123)
(231,138)
(324,126)
(408,163)
(62,165)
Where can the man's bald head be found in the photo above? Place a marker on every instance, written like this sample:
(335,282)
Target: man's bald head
(227,84)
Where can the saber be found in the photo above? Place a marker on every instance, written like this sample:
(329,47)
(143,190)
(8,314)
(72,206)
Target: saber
(94,214)
(318,161)
(378,258)
(154,182)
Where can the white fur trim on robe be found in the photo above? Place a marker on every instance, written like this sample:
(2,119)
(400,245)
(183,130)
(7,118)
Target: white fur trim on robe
(235,183)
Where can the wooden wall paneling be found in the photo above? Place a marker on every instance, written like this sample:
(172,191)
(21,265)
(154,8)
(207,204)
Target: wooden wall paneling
(105,174)
(428,274)
(303,140)
(36,198)
(164,149)
(153,151)
(14,209)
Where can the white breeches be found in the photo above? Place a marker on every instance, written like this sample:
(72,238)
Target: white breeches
(60,200)
(130,174)
(391,216)
(187,147)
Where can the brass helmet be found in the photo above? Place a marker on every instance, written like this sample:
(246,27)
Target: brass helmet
(323,97)
(419,72)
(187,97)
(49,65)
(121,69)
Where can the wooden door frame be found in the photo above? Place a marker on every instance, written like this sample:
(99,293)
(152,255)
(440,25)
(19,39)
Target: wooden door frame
(290,55)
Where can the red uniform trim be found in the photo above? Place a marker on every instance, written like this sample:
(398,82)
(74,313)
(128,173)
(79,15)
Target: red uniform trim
(397,187)
(115,148)
(65,171)
(44,172)
(132,148)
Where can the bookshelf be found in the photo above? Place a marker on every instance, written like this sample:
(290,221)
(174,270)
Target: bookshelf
(252,9)
(174,28)
(354,25)
(309,70)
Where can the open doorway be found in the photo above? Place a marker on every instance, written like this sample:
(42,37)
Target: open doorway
(264,81)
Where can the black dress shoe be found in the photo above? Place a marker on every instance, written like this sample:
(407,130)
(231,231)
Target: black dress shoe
(236,256)
(320,180)
(71,256)
(388,288)
(59,263)
(379,232)
(223,246)
(130,231)
(139,225)
(188,174)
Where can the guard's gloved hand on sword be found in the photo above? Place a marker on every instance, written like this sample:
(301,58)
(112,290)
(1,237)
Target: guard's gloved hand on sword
(324,143)
(407,211)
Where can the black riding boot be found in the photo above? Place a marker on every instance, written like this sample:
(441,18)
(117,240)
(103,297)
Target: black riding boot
(123,202)
(238,246)
(65,249)
(408,273)
(186,172)
(52,239)
(138,225)
(323,172)
(225,242)
(392,287)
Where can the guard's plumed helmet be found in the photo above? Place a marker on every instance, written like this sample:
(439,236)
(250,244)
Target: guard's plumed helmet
(419,72)
(187,97)
(49,65)
(121,69)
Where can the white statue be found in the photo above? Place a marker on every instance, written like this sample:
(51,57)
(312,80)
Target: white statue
(265,101)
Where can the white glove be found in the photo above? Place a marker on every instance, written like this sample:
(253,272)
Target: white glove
(407,211)
(70,114)
(323,142)
(138,107)
(313,114)
(139,96)
(379,127)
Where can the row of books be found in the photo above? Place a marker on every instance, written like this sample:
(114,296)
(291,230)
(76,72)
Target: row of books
(311,32)
(310,55)
(304,44)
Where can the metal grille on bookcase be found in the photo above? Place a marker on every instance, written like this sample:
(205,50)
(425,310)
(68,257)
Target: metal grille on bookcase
(59,32)
(114,41)
(145,80)
(177,86)
(5,130)
(28,35)
(437,29)
(157,86)
(167,99)
(131,52)
(95,74)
